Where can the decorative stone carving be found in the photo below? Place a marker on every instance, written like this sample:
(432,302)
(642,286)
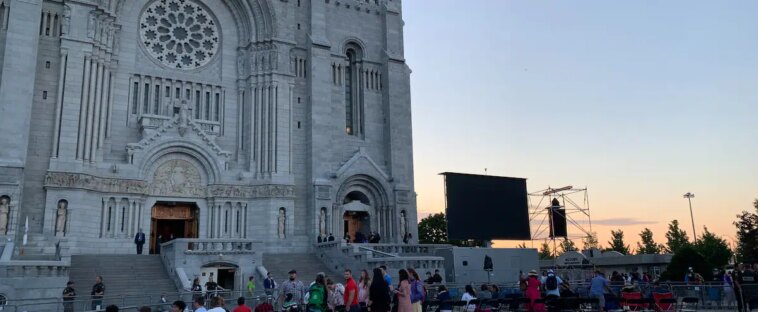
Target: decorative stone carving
(91,25)
(177,177)
(66,22)
(282,219)
(125,186)
(258,191)
(60,219)
(179,33)
(5,208)
(88,182)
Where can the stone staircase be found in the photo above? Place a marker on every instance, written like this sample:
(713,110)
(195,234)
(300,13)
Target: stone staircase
(129,279)
(38,247)
(307,266)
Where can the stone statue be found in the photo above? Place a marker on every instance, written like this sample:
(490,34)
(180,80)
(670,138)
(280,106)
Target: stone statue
(60,220)
(282,219)
(91,25)
(403,230)
(183,118)
(66,22)
(4,211)
(322,223)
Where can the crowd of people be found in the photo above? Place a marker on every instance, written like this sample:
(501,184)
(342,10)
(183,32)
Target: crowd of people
(375,291)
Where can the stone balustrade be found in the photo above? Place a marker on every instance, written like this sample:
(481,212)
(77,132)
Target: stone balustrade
(395,256)
(200,246)
(209,127)
(152,122)
(30,269)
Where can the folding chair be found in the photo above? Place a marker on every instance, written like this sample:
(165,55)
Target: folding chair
(689,304)
(661,306)
(523,303)
(666,304)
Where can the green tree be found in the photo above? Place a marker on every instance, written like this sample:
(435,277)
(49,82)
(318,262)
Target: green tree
(433,230)
(683,259)
(676,238)
(617,242)
(545,253)
(567,245)
(747,235)
(647,244)
(714,249)
(590,241)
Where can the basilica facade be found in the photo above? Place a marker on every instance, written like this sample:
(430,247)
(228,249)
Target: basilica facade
(273,120)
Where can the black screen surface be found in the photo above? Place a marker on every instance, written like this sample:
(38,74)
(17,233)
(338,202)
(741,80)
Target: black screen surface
(558,221)
(486,207)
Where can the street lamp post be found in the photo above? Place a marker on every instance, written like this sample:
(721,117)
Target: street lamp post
(689,197)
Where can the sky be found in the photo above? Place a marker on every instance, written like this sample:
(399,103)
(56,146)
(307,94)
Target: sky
(638,101)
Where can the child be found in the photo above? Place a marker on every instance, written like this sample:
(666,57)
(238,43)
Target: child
(289,304)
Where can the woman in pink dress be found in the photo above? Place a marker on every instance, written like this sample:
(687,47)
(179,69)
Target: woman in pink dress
(363,284)
(403,293)
(533,291)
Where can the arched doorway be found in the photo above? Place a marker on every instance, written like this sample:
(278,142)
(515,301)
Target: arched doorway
(356,218)
(170,220)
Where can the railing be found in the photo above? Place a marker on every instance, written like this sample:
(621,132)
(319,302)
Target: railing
(152,122)
(15,268)
(209,127)
(407,249)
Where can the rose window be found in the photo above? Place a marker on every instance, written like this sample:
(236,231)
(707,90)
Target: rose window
(179,33)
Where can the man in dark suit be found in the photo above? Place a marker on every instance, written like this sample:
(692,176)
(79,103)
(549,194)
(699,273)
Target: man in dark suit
(139,240)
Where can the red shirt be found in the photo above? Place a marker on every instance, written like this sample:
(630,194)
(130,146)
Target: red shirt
(242,308)
(351,286)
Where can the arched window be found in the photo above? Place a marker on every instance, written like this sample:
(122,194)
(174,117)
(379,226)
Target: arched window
(353,96)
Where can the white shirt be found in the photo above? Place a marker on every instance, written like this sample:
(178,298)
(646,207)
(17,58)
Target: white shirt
(468,297)
(201,309)
(557,290)
(217,309)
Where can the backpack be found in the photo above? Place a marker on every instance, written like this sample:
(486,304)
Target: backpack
(316,295)
(551,283)
(417,291)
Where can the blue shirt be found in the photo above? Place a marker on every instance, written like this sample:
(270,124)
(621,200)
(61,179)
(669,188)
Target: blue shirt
(598,285)
(557,290)
(388,279)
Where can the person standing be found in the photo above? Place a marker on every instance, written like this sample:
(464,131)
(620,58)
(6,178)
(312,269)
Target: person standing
(69,295)
(241,307)
(139,240)
(403,292)
(598,286)
(363,288)
(552,284)
(379,293)
(417,290)
(98,291)
(294,287)
(251,285)
(317,295)
(533,290)
(269,284)
(386,276)
(351,292)
(197,290)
